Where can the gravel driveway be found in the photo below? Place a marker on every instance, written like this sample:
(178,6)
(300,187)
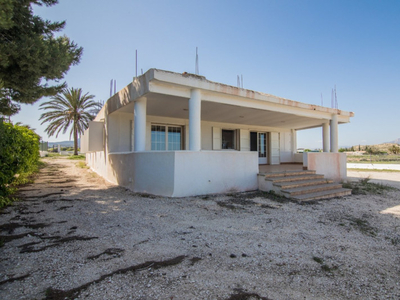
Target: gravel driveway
(75,236)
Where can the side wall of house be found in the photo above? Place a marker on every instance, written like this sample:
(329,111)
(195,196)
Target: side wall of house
(120,132)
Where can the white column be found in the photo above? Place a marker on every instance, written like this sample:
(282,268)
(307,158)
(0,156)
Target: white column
(195,120)
(293,144)
(140,124)
(325,137)
(334,134)
(294,141)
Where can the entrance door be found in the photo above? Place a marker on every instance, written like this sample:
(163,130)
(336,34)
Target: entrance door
(262,148)
(258,142)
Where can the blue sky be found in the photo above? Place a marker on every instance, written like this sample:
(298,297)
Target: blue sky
(292,49)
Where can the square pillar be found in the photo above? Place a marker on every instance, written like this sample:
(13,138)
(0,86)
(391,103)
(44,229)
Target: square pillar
(195,120)
(140,111)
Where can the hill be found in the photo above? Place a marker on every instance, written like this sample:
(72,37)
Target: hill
(396,141)
(384,147)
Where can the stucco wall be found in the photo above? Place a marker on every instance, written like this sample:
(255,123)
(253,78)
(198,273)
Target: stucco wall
(332,165)
(208,172)
(179,173)
(84,142)
(144,172)
(119,130)
(97,162)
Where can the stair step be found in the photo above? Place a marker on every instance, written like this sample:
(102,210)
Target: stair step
(288,173)
(311,189)
(295,178)
(323,195)
(299,183)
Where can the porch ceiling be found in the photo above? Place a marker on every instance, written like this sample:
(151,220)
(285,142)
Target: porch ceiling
(177,107)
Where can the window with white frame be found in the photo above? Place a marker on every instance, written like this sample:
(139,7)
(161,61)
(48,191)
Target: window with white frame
(166,137)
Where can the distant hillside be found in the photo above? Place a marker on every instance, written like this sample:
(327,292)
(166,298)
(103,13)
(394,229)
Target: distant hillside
(381,147)
(396,141)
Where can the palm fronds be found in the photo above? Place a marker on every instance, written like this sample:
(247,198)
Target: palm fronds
(71,107)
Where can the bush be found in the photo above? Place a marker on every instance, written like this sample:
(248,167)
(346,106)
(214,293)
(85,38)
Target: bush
(19,157)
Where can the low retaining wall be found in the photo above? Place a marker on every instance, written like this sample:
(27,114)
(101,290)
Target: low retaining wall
(179,173)
(332,165)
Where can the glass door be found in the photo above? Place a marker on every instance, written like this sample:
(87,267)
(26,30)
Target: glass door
(262,148)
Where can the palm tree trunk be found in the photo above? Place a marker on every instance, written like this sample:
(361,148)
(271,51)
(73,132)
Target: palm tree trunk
(75,138)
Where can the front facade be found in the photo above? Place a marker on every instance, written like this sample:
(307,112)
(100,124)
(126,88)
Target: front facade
(178,135)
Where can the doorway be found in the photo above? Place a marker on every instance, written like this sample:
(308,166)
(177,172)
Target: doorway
(258,142)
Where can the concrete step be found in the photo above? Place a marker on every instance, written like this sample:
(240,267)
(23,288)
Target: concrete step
(323,195)
(295,178)
(288,173)
(310,189)
(300,183)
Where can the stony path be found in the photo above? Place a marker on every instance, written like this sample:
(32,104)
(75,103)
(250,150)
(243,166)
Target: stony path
(74,236)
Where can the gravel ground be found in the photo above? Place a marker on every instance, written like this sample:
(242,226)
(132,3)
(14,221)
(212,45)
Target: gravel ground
(75,236)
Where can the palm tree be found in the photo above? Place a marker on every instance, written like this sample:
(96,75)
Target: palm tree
(66,109)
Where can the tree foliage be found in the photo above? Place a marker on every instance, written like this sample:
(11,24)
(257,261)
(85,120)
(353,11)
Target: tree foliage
(32,59)
(19,154)
(69,109)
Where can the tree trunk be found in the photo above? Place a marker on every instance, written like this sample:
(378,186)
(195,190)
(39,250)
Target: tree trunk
(75,139)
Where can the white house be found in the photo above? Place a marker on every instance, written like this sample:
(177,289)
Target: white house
(177,135)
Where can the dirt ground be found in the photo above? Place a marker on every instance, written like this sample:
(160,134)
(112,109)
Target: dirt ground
(74,236)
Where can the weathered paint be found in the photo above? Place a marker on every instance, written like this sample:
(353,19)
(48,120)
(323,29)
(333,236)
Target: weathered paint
(332,165)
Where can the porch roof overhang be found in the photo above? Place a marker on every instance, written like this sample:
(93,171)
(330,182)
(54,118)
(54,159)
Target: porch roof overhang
(167,95)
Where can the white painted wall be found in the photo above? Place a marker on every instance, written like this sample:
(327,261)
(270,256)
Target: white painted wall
(332,165)
(92,138)
(173,173)
(96,130)
(119,130)
(84,142)
(97,162)
(144,172)
(209,172)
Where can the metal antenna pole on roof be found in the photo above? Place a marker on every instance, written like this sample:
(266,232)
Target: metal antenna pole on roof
(197,62)
(111,82)
(336,104)
(142,71)
(241,76)
(238,81)
(115,86)
(136,63)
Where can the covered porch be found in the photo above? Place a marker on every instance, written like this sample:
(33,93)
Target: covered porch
(195,128)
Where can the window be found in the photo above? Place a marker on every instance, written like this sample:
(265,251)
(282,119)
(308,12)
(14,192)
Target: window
(163,136)
(174,138)
(228,139)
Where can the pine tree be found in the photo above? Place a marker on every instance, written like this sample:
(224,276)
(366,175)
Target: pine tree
(31,57)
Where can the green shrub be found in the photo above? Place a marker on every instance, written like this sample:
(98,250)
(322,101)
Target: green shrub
(19,157)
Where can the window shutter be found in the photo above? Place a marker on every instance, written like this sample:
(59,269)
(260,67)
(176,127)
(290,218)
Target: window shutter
(274,154)
(216,138)
(244,137)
